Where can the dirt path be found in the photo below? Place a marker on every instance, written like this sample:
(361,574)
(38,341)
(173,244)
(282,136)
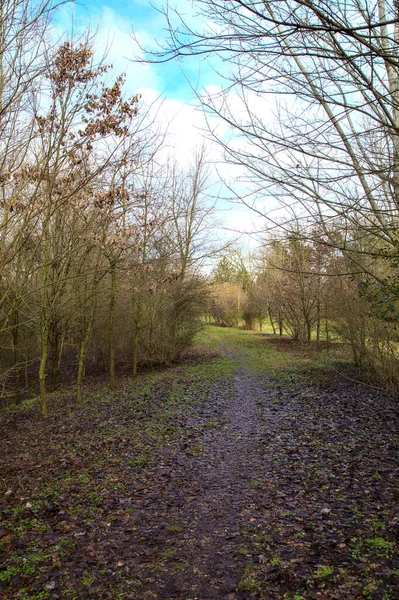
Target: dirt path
(209,495)
(273,484)
(271,489)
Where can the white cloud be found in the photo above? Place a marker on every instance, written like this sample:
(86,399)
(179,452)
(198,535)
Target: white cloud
(185,125)
(168,99)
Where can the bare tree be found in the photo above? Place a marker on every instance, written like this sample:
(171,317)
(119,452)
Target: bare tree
(78,135)
(24,43)
(312,91)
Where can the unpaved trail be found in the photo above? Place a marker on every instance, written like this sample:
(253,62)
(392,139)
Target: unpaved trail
(279,488)
(210,495)
(273,482)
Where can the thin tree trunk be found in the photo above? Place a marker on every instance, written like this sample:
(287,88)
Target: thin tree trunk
(137,318)
(111,332)
(42,371)
(55,358)
(309,336)
(318,323)
(135,351)
(44,328)
(26,372)
(82,356)
(16,353)
(327,332)
(362,343)
(280,326)
(271,321)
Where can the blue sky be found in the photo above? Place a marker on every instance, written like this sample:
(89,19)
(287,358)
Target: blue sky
(167,86)
(118,20)
(171,82)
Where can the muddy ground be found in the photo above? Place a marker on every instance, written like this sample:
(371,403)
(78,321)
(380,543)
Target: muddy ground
(210,481)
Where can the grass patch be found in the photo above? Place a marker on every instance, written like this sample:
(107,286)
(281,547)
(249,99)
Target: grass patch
(211,425)
(168,553)
(380,546)
(249,585)
(256,484)
(281,357)
(175,528)
(324,572)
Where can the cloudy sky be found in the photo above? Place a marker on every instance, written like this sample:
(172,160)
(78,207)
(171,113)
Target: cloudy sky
(168,87)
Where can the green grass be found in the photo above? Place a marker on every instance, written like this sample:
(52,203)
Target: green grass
(256,484)
(260,352)
(275,561)
(381,546)
(324,572)
(249,585)
(175,528)
(168,553)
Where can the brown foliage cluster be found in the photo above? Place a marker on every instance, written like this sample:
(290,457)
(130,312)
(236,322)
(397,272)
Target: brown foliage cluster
(73,65)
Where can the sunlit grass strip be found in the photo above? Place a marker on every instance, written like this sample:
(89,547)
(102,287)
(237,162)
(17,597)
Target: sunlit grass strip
(255,354)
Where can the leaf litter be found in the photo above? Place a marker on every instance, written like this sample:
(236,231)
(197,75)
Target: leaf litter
(205,481)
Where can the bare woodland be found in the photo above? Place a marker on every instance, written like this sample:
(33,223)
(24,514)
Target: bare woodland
(102,242)
(310,93)
(183,417)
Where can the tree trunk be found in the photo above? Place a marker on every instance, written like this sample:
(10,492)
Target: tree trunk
(272,324)
(308,332)
(327,332)
(280,326)
(362,343)
(44,327)
(55,358)
(111,332)
(135,351)
(26,372)
(318,323)
(137,318)
(82,356)
(42,372)
(16,353)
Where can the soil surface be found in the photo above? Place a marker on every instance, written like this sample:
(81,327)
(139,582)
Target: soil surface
(261,488)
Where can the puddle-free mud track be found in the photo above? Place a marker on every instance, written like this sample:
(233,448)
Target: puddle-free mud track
(268,488)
